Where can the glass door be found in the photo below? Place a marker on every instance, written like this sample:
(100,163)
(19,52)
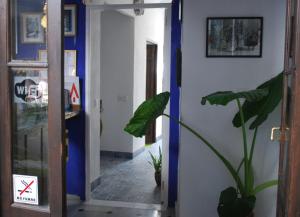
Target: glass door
(31,108)
(288,199)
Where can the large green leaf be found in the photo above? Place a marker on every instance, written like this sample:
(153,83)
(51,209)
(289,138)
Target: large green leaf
(146,113)
(264,186)
(261,109)
(224,97)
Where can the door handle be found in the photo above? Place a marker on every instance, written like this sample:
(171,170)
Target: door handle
(277,132)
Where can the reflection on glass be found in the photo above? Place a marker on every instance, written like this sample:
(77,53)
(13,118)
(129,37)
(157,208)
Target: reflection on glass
(29,27)
(131,1)
(30,127)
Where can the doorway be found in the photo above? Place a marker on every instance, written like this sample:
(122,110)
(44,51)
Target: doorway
(128,92)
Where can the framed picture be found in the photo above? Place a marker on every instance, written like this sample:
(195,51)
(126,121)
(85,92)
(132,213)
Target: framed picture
(43,56)
(234,37)
(32,30)
(70,62)
(70,22)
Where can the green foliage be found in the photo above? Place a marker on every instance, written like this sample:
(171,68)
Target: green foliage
(146,113)
(156,161)
(224,97)
(262,108)
(259,103)
(232,205)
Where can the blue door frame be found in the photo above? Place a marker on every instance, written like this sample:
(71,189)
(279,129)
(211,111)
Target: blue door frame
(174,105)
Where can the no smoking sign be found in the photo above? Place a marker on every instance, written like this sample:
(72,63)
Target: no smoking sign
(26,189)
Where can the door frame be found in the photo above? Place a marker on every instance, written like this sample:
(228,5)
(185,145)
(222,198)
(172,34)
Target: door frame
(56,140)
(151,86)
(93,13)
(288,198)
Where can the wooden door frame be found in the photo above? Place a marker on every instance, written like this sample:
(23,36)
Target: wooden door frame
(289,174)
(150,137)
(56,139)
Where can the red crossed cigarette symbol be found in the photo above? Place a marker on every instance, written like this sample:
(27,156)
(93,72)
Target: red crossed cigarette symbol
(28,186)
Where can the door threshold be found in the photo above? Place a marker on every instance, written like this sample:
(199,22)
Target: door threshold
(122,204)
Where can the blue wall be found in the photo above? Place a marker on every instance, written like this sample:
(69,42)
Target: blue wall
(76,126)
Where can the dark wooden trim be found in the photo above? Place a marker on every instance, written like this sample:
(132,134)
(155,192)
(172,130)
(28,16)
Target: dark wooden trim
(151,86)
(281,194)
(5,108)
(57,197)
(289,162)
(57,155)
(293,170)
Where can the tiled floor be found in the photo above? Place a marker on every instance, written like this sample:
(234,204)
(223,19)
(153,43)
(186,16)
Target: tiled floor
(128,180)
(101,211)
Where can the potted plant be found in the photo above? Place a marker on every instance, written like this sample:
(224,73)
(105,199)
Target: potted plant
(156,164)
(236,201)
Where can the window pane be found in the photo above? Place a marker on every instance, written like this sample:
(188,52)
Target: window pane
(131,1)
(29,30)
(30,135)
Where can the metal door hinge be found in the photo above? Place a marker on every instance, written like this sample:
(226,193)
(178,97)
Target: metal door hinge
(276,134)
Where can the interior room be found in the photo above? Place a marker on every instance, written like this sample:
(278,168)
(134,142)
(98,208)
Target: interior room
(152,108)
(131,70)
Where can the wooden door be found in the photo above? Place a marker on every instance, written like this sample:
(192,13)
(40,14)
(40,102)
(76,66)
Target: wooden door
(289,169)
(31,109)
(151,86)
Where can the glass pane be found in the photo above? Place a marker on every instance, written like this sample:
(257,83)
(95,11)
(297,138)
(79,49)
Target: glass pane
(30,136)
(29,27)
(132,1)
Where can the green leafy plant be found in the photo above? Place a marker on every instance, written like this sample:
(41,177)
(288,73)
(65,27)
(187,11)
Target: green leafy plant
(156,161)
(236,201)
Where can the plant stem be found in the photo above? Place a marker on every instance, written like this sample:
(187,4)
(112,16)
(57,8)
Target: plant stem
(246,165)
(227,164)
(240,166)
(253,146)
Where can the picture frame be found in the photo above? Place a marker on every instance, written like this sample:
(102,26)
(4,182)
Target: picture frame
(43,56)
(32,31)
(234,37)
(70,61)
(70,68)
(70,20)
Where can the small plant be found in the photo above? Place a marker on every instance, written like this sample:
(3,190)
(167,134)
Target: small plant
(156,164)
(156,161)
(238,201)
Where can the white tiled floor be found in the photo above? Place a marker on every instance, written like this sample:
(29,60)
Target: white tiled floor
(129,180)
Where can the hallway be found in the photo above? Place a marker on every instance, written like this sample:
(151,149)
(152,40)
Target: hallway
(129,180)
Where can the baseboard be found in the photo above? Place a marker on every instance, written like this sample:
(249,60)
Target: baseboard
(139,151)
(125,155)
(95,183)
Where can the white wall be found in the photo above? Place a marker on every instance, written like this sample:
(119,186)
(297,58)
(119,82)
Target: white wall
(149,27)
(117,58)
(93,98)
(202,175)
